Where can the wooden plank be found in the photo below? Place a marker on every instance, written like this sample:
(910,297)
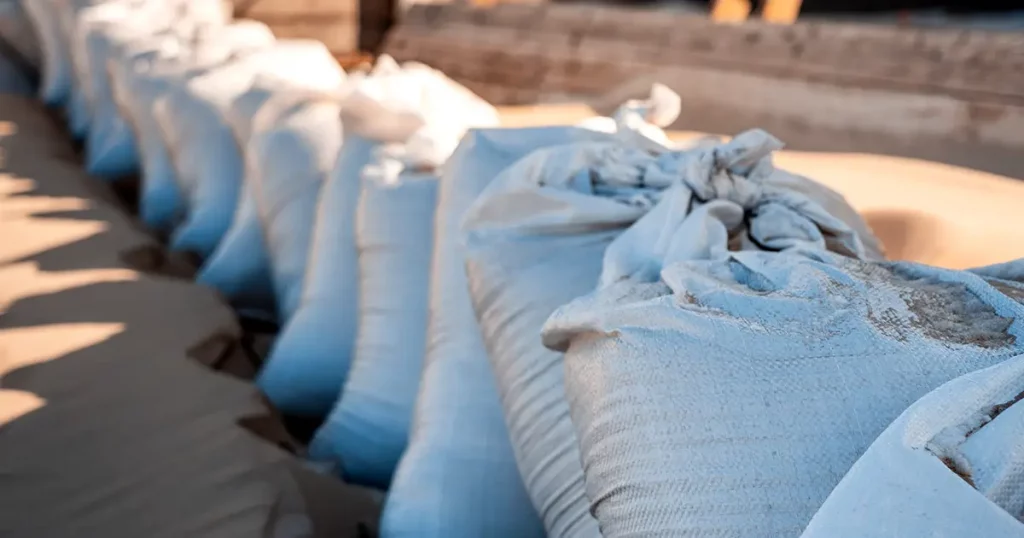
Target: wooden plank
(781,11)
(730,10)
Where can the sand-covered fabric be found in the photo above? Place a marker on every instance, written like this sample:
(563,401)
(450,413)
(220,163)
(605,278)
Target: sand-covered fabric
(729,396)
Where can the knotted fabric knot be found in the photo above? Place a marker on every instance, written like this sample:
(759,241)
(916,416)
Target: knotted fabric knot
(735,171)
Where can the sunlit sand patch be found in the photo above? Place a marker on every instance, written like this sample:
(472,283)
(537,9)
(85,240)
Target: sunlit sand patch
(15,404)
(8,128)
(925,211)
(12,184)
(28,237)
(26,346)
(26,279)
(539,115)
(29,206)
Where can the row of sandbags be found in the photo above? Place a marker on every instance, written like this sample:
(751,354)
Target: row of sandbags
(568,331)
(443,391)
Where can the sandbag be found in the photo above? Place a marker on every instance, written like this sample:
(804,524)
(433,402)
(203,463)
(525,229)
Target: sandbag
(69,12)
(103,36)
(948,466)
(55,78)
(240,267)
(459,443)
(295,145)
(536,239)
(458,477)
(73,14)
(90,46)
(784,367)
(366,432)
(310,359)
(206,158)
(643,117)
(368,429)
(55,75)
(148,71)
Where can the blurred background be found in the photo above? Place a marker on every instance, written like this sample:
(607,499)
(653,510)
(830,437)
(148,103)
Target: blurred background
(929,79)
(914,109)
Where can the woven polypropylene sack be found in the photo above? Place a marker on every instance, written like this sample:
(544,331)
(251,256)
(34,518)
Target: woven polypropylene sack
(696,390)
(97,30)
(137,82)
(536,239)
(311,357)
(240,267)
(421,115)
(55,78)
(102,39)
(88,19)
(295,149)
(951,464)
(68,13)
(207,160)
(367,431)
(458,477)
(143,78)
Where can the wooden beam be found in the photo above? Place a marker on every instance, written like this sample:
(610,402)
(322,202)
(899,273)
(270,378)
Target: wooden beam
(730,10)
(781,11)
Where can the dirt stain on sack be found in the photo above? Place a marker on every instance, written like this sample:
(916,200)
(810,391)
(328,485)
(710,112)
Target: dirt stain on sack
(964,474)
(942,311)
(1010,289)
(956,462)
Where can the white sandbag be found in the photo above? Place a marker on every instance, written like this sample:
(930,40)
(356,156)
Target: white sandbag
(240,266)
(146,73)
(368,429)
(458,476)
(144,77)
(645,117)
(68,12)
(90,44)
(310,359)
(16,28)
(366,432)
(77,114)
(76,110)
(104,35)
(784,368)
(951,465)
(295,143)
(207,160)
(536,239)
(55,78)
